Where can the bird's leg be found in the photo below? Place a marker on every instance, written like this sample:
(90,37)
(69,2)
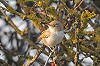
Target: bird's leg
(53,50)
(48,58)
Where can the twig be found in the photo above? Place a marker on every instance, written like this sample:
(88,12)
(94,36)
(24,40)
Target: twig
(94,53)
(3,63)
(23,34)
(9,8)
(92,3)
(11,23)
(4,2)
(48,58)
(64,5)
(78,5)
(86,7)
(31,61)
(48,15)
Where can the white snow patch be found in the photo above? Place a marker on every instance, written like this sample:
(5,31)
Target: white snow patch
(12,4)
(15,58)
(67,36)
(32,52)
(19,23)
(8,46)
(15,44)
(6,28)
(2,5)
(44,57)
(71,64)
(2,56)
(81,56)
(88,38)
(54,5)
(89,28)
(87,62)
(75,49)
(2,23)
(4,39)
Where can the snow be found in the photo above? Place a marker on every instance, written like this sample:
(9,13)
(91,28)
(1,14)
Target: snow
(8,46)
(75,49)
(87,62)
(32,52)
(54,5)
(89,28)
(19,23)
(4,39)
(2,56)
(71,64)
(15,44)
(81,56)
(2,23)
(67,36)
(44,57)
(15,58)
(12,3)
(2,5)
(6,28)
(88,38)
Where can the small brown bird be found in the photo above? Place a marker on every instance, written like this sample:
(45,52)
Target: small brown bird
(53,35)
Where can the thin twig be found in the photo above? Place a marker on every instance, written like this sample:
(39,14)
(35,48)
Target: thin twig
(86,7)
(3,63)
(64,5)
(31,61)
(11,23)
(21,33)
(78,5)
(48,58)
(4,3)
(98,9)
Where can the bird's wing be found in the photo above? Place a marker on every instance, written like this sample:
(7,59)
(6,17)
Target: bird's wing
(45,34)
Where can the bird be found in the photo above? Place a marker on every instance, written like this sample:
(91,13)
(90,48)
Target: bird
(53,35)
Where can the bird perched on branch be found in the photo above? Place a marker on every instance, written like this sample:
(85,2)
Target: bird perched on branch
(53,35)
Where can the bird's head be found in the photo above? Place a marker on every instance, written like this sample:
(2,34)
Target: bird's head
(56,25)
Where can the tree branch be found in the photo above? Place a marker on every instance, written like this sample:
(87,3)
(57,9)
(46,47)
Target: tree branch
(31,61)
(21,33)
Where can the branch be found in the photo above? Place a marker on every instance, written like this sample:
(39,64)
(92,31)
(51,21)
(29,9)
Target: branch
(3,63)
(4,2)
(64,5)
(32,16)
(97,8)
(88,50)
(22,34)
(48,58)
(31,61)
(78,5)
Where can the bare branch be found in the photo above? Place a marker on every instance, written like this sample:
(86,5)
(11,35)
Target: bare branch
(31,61)
(23,34)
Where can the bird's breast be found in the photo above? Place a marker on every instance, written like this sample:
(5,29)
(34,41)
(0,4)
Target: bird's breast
(55,38)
